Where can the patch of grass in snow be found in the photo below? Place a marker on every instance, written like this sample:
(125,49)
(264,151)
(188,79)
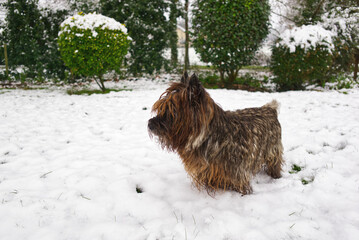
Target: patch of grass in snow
(93,91)
(341,82)
(139,189)
(256,68)
(210,67)
(295,169)
(202,67)
(246,82)
(7,89)
(306,181)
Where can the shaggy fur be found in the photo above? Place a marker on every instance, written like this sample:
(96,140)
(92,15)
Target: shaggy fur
(219,149)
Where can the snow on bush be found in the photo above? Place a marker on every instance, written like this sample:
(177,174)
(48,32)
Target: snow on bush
(306,37)
(93,44)
(302,56)
(92,22)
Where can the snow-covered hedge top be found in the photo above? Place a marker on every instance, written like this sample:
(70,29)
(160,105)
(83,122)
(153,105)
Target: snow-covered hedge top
(91,21)
(306,36)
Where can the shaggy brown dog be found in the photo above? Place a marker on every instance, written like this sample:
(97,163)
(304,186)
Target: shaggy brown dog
(219,149)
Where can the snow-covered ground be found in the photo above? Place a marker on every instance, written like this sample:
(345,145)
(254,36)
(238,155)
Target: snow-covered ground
(70,167)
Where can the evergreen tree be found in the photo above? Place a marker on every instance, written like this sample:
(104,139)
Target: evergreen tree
(172,34)
(310,11)
(50,56)
(2,41)
(31,34)
(147,26)
(228,33)
(24,34)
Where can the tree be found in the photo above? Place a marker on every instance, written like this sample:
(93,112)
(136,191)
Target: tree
(172,33)
(50,56)
(24,34)
(147,26)
(343,21)
(228,33)
(92,44)
(310,11)
(31,33)
(186,55)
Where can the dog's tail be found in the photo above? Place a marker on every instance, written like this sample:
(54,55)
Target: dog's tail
(273,104)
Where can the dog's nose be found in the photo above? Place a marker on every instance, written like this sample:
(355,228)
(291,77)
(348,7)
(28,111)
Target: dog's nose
(150,125)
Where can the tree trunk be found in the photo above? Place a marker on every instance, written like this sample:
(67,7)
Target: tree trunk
(100,83)
(6,61)
(221,73)
(356,62)
(173,33)
(186,57)
(232,75)
(317,10)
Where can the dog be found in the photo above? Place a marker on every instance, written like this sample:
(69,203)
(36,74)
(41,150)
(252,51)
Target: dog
(220,150)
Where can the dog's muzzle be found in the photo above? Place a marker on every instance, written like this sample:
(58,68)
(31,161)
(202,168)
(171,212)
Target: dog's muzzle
(151,124)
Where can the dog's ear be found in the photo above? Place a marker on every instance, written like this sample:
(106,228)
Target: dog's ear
(184,78)
(193,82)
(195,89)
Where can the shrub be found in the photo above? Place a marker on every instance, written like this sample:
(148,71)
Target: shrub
(246,82)
(228,33)
(210,81)
(303,56)
(92,44)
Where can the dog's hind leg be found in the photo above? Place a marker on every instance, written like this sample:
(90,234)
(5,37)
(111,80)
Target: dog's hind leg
(274,163)
(274,171)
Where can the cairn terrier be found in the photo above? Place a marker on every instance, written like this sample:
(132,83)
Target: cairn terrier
(219,149)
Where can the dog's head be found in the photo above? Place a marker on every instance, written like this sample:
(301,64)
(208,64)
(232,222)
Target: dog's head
(181,112)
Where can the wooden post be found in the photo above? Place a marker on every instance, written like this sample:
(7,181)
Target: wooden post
(6,61)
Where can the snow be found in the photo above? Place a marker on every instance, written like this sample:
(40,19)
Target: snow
(307,37)
(54,5)
(281,13)
(91,21)
(70,166)
(194,57)
(342,21)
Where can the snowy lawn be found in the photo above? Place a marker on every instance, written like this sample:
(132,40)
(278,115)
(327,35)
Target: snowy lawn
(84,167)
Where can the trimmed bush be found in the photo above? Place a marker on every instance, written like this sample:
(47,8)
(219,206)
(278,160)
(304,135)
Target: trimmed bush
(92,44)
(228,33)
(306,60)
